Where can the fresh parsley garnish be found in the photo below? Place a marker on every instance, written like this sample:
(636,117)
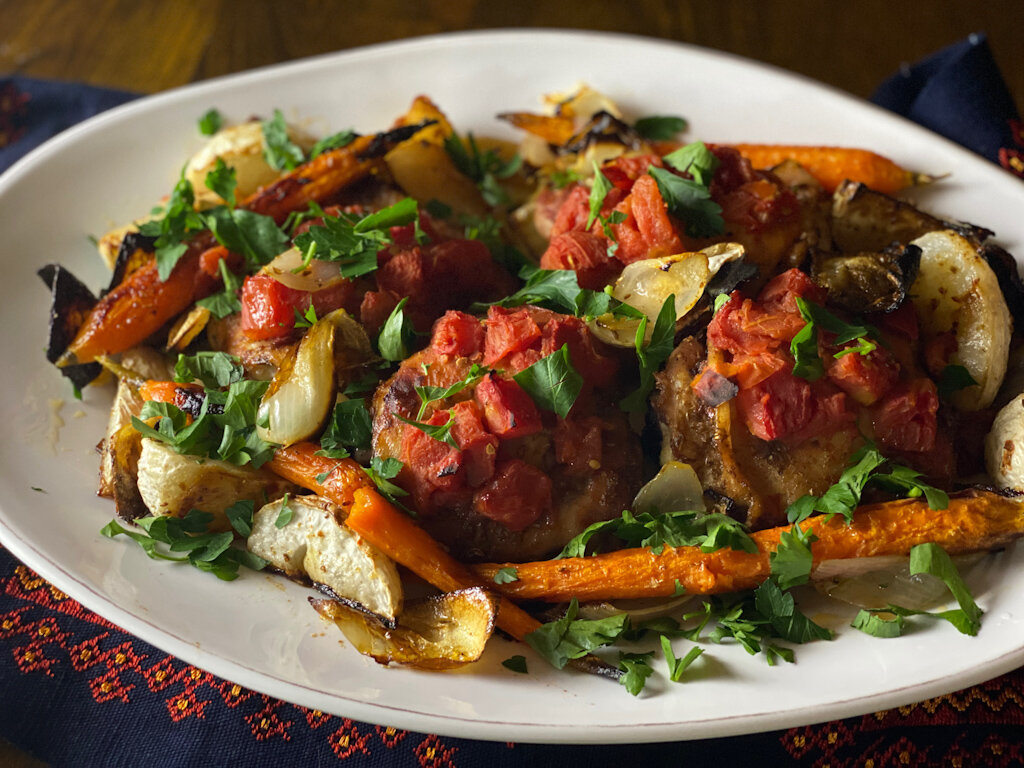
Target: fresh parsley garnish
(931,559)
(660,127)
(952,379)
(382,471)
(285,514)
(690,199)
(676,528)
(636,668)
(516,664)
(205,550)
(792,561)
(280,152)
(222,180)
(506,575)
(484,168)
(225,429)
(677,666)
(210,122)
(179,221)
(226,302)
(213,369)
(552,382)
(255,236)
(804,346)
(569,638)
(440,432)
(429,395)
(397,334)
(334,141)
(349,428)
(353,241)
(652,354)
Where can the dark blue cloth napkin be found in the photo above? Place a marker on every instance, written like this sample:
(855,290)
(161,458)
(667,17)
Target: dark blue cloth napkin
(76,690)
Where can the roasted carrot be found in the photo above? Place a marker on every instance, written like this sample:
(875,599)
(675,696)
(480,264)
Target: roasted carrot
(340,477)
(976,521)
(554,129)
(321,177)
(833,165)
(138,307)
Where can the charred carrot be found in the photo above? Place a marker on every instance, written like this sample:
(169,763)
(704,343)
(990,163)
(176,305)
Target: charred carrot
(138,307)
(334,479)
(314,181)
(973,522)
(554,129)
(833,165)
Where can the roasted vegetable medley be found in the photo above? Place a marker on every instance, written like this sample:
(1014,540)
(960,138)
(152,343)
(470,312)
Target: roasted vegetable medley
(597,387)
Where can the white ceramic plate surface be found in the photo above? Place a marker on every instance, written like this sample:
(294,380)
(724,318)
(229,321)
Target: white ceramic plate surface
(259,631)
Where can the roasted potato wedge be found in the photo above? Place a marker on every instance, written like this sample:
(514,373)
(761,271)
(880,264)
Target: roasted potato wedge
(172,483)
(436,633)
(314,543)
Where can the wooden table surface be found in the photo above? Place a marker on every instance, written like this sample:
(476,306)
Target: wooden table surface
(148,46)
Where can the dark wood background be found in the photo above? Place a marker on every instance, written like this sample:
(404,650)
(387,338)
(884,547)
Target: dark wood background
(149,46)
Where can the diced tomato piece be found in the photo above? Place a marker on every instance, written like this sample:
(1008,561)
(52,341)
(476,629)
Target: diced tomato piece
(508,331)
(404,273)
(210,259)
(269,307)
(749,370)
(432,464)
(467,272)
(587,254)
(902,321)
(865,378)
(458,334)
(596,370)
(742,326)
(624,171)
(477,446)
(781,292)
(578,444)
(734,170)
(779,406)
(508,410)
(516,496)
(573,214)
(647,231)
(375,309)
(905,419)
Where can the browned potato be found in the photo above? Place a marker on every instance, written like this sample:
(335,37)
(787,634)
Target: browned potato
(438,633)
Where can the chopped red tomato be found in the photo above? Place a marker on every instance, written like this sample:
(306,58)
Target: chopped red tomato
(749,370)
(865,378)
(905,419)
(508,331)
(478,448)
(269,307)
(777,407)
(516,496)
(647,231)
(560,330)
(781,292)
(457,334)
(902,321)
(508,411)
(742,326)
(624,171)
(584,252)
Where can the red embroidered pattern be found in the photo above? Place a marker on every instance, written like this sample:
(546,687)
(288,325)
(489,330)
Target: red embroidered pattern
(113,670)
(1012,158)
